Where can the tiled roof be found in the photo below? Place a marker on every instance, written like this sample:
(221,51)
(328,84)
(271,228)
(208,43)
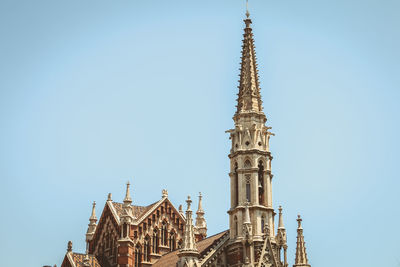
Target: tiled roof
(137,211)
(78,260)
(170,259)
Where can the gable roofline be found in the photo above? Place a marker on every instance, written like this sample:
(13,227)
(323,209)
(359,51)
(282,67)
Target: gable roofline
(70,259)
(155,206)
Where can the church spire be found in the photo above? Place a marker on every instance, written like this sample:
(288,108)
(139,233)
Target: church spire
(301,255)
(249,98)
(188,254)
(92,225)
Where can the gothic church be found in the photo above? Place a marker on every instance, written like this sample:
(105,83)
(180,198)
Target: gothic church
(161,235)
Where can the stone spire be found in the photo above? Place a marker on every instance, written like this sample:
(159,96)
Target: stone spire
(201,224)
(188,254)
(127,199)
(249,98)
(301,255)
(92,224)
(281,237)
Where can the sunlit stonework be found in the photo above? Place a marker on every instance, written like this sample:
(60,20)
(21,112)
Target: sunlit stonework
(160,235)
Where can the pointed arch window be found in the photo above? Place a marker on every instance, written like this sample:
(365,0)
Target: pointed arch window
(172,241)
(164,234)
(236,226)
(248,191)
(261,200)
(146,249)
(138,256)
(155,241)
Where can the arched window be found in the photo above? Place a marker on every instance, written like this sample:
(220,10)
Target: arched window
(138,256)
(236,226)
(172,241)
(236,181)
(164,234)
(146,249)
(155,241)
(261,183)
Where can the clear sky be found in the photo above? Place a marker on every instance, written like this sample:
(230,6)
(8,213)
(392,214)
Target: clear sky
(95,93)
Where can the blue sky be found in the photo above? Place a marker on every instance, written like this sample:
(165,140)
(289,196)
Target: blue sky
(95,93)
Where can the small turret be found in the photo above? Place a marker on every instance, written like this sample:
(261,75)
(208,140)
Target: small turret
(201,224)
(301,255)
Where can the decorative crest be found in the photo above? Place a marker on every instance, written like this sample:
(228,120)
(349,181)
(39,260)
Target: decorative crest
(164,193)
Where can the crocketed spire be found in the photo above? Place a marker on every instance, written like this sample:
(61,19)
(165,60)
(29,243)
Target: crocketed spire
(201,224)
(249,98)
(188,254)
(301,255)
(92,223)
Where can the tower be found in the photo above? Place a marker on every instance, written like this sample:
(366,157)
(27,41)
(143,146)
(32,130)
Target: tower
(250,165)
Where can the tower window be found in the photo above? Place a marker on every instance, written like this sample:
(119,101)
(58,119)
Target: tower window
(236,178)
(236,226)
(164,234)
(146,252)
(248,192)
(261,183)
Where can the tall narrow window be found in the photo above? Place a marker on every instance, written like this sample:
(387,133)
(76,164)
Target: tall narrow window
(155,240)
(248,192)
(138,256)
(172,241)
(262,224)
(164,234)
(236,178)
(146,249)
(236,226)
(261,183)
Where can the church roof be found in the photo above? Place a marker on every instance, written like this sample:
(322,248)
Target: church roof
(76,260)
(203,246)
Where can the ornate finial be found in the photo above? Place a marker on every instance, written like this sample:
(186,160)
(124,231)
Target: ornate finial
(109,197)
(189,202)
(247,9)
(280,209)
(200,208)
(69,248)
(164,193)
(299,222)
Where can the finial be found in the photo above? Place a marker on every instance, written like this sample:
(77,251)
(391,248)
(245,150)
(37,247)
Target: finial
(69,248)
(247,9)
(200,208)
(93,216)
(109,197)
(164,193)
(189,202)
(299,222)
(280,224)
(128,199)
